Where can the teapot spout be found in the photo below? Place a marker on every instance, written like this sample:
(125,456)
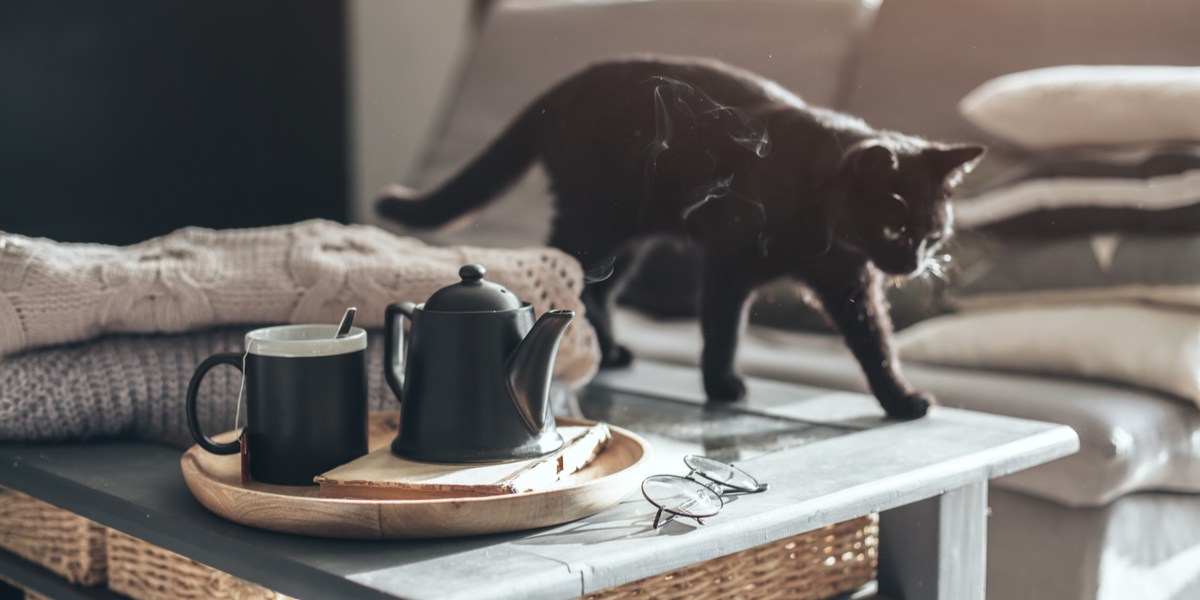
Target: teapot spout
(532,365)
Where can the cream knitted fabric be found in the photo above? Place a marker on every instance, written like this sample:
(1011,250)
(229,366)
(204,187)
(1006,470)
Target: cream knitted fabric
(309,272)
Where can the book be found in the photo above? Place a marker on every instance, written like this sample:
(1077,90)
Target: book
(382,475)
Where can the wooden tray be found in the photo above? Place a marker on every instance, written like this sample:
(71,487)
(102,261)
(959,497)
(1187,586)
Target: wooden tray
(216,482)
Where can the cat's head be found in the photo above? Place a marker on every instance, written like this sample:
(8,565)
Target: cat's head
(896,205)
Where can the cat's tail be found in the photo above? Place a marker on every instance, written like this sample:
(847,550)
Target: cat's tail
(474,186)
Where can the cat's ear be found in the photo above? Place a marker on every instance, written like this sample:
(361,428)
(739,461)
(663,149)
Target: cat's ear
(874,158)
(950,162)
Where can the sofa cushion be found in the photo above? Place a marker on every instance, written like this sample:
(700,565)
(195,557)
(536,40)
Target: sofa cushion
(1144,546)
(1075,105)
(1128,343)
(1158,270)
(1131,440)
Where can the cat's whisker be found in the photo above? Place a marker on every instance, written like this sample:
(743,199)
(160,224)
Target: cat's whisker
(935,269)
(931,266)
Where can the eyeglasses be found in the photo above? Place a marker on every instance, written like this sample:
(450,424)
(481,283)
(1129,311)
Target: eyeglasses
(701,493)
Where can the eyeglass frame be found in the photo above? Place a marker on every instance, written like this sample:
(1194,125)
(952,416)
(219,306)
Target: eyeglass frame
(717,488)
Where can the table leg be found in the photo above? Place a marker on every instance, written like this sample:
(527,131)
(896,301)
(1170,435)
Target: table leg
(936,549)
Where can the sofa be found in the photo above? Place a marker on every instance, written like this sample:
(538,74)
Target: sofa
(1120,519)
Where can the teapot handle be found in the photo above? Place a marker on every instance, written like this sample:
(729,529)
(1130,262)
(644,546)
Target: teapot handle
(393,346)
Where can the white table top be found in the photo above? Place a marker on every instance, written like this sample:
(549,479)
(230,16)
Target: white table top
(866,465)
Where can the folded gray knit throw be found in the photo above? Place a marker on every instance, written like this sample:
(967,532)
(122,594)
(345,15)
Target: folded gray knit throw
(134,386)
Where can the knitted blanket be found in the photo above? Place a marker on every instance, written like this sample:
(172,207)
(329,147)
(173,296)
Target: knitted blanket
(135,386)
(309,272)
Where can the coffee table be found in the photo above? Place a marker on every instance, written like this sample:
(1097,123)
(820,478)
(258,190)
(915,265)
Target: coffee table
(829,457)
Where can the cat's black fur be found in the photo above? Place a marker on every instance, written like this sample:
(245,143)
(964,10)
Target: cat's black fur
(767,185)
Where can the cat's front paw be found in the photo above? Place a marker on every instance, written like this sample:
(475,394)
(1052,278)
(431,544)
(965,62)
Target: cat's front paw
(726,387)
(617,357)
(907,407)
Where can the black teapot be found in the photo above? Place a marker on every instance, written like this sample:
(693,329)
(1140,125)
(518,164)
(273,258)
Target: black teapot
(475,384)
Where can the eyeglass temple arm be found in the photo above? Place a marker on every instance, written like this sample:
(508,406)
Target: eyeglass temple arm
(723,489)
(659,521)
(762,487)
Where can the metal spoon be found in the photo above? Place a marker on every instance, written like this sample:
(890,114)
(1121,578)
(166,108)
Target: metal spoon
(347,321)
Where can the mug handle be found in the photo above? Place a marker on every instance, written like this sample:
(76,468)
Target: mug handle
(224,358)
(393,345)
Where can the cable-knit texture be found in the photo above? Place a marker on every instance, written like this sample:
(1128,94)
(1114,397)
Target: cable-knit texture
(195,280)
(309,272)
(135,386)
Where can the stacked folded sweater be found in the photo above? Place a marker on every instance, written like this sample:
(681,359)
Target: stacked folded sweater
(1083,259)
(133,386)
(72,370)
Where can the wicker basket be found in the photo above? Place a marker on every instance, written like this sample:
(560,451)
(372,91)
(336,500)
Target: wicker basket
(60,541)
(810,566)
(144,571)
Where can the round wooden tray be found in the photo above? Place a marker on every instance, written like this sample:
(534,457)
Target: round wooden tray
(216,482)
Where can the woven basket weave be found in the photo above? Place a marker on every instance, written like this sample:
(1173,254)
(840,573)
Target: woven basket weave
(810,566)
(144,571)
(63,542)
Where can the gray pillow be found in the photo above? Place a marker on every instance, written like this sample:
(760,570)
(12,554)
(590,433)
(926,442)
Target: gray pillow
(1102,267)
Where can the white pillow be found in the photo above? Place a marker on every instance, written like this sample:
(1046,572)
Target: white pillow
(1075,105)
(1142,346)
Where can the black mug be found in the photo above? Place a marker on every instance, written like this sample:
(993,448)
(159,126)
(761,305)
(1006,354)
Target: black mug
(306,401)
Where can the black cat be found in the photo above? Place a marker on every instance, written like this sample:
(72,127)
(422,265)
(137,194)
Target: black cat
(765,184)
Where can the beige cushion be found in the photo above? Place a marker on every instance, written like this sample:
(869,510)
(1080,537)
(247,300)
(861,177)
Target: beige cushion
(1145,346)
(1077,105)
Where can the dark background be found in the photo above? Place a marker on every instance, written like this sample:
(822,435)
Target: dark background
(120,121)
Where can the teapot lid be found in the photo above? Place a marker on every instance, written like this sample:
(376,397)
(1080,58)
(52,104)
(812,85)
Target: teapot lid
(472,294)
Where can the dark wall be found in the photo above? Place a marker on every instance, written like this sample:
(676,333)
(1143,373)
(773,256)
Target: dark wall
(124,120)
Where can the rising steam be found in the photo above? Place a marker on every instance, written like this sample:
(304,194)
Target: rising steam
(680,102)
(746,129)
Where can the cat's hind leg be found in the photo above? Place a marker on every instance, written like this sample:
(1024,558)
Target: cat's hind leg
(599,297)
(603,296)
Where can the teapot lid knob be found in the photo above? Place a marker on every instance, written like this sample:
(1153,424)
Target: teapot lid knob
(472,294)
(472,273)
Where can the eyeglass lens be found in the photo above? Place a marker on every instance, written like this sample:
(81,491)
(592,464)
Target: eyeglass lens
(719,472)
(681,496)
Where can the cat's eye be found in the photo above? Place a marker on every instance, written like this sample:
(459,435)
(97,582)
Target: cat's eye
(901,200)
(892,234)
